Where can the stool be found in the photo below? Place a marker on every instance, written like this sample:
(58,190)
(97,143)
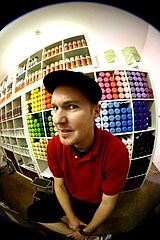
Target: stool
(45,184)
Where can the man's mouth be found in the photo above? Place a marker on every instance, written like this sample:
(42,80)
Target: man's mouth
(64,131)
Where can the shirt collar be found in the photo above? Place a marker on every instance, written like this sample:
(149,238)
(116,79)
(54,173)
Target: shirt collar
(95,148)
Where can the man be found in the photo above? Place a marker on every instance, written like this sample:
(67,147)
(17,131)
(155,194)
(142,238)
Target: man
(89,165)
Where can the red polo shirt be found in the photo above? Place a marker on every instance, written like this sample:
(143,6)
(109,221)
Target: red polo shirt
(102,170)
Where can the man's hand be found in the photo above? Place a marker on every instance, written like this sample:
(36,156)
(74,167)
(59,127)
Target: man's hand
(74,223)
(76,235)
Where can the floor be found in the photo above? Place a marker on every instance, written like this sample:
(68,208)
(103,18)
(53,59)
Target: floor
(136,216)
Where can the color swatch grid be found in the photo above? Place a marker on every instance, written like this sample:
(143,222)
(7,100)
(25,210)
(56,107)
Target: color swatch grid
(113,84)
(139,85)
(116,117)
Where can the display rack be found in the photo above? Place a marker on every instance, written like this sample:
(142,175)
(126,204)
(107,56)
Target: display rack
(128,109)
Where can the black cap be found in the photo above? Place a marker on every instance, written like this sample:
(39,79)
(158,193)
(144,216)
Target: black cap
(88,86)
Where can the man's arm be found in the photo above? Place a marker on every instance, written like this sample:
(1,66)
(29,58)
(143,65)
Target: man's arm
(64,199)
(103,212)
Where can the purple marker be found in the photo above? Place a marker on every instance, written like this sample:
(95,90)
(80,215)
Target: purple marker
(142,89)
(144,95)
(136,84)
(139,79)
(131,84)
(137,89)
(134,95)
(130,78)
(138,74)
(133,89)
(135,78)
(141,84)
(139,95)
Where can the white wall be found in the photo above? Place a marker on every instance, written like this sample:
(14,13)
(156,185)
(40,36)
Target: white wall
(106,26)
(151,57)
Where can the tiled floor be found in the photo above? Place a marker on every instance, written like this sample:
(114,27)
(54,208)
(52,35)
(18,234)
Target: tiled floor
(134,218)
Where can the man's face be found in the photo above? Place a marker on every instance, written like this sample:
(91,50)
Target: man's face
(74,116)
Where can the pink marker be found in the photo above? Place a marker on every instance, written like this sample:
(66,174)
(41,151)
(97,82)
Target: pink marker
(103,97)
(107,85)
(102,74)
(109,96)
(106,79)
(99,79)
(101,84)
(108,90)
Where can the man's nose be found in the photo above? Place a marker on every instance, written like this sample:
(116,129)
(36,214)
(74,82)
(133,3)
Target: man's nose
(59,117)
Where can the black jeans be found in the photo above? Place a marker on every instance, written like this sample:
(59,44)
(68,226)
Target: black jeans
(48,210)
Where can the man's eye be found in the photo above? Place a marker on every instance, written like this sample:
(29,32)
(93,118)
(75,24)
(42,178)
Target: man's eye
(54,108)
(72,107)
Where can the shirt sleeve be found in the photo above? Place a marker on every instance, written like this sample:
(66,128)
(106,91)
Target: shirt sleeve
(52,155)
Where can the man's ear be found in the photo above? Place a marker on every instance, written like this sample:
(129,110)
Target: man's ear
(97,109)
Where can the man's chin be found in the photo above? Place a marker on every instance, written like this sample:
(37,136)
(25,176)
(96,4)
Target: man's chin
(66,141)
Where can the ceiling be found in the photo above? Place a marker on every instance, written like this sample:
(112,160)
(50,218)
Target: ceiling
(147,10)
(15,19)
